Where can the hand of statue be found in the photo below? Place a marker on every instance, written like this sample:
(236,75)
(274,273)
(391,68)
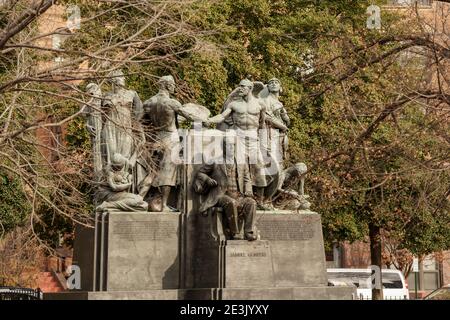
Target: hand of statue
(91,129)
(121,187)
(212,183)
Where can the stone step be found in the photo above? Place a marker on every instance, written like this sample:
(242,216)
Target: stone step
(256,294)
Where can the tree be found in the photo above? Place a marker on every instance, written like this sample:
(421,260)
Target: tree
(373,130)
(21,258)
(374,135)
(13,203)
(43,71)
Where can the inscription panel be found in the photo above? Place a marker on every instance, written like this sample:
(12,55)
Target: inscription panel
(143,251)
(277,228)
(238,254)
(145,230)
(248,264)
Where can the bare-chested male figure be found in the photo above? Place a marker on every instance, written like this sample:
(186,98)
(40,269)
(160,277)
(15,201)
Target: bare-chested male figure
(247,115)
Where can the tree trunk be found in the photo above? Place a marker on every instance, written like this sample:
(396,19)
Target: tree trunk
(375,259)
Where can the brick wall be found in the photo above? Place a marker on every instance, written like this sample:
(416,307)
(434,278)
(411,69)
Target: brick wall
(446,268)
(355,255)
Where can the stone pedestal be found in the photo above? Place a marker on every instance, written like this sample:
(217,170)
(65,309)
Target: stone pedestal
(297,247)
(261,293)
(83,255)
(142,251)
(248,264)
(143,256)
(130,251)
(290,253)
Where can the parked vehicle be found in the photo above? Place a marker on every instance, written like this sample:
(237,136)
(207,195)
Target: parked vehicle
(439,294)
(394,284)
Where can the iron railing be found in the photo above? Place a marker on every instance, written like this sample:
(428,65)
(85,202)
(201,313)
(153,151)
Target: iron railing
(410,2)
(15,293)
(364,297)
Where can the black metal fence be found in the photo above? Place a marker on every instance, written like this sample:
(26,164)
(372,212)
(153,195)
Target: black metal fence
(364,297)
(410,2)
(14,293)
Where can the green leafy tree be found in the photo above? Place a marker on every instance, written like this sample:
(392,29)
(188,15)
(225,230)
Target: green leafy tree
(373,133)
(14,206)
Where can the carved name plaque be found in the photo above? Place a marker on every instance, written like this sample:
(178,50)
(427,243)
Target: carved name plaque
(145,230)
(237,254)
(293,228)
(248,264)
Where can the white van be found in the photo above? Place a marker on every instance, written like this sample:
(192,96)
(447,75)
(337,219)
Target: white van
(394,284)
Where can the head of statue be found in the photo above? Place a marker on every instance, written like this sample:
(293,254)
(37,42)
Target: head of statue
(118,161)
(118,78)
(93,89)
(167,83)
(245,87)
(274,85)
(300,168)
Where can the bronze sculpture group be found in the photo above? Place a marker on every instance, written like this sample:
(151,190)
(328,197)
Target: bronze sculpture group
(254,178)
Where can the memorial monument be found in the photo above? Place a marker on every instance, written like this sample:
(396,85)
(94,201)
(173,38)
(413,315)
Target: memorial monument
(212,242)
